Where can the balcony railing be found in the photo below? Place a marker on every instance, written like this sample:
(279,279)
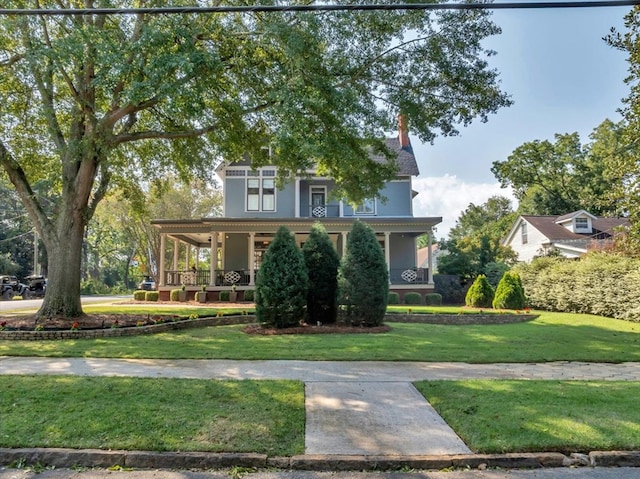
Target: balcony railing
(199,277)
(323,211)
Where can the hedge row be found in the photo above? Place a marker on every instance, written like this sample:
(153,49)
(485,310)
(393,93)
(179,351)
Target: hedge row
(604,284)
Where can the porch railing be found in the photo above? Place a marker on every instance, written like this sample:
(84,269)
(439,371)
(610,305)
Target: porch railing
(409,275)
(224,277)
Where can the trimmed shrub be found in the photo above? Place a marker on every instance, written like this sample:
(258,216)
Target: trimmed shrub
(224,295)
(151,296)
(322,263)
(363,278)
(282,283)
(139,295)
(509,293)
(249,294)
(412,298)
(394,298)
(433,299)
(480,294)
(174,294)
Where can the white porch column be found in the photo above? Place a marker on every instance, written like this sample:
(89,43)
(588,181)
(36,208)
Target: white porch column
(214,259)
(430,257)
(341,209)
(252,246)
(387,253)
(296,206)
(344,242)
(161,272)
(176,252)
(187,257)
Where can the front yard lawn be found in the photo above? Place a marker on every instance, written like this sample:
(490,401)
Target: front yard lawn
(550,337)
(153,414)
(521,416)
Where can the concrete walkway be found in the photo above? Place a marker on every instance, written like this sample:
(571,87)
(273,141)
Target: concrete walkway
(353,408)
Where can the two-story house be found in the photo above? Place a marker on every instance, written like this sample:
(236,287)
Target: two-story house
(254,208)
(570,235)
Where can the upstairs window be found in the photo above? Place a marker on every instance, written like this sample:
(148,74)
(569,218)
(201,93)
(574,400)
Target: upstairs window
(523,233)
(261,194)
(367,207)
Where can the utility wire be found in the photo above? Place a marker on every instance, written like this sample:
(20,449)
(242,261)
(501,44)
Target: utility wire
(313,8)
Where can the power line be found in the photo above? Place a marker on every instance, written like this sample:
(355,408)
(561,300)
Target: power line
(311,8)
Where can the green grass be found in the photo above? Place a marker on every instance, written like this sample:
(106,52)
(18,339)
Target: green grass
(521,416)
(550,337)
(153,414)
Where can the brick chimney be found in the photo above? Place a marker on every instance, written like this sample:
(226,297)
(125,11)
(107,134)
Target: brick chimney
(403,131)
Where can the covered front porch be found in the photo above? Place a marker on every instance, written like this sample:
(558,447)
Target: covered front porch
(224,254)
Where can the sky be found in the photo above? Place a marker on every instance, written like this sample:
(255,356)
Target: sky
(562,78)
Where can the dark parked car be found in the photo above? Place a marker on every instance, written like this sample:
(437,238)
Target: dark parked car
(10,287)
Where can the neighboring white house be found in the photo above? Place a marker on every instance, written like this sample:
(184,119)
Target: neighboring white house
(571,235)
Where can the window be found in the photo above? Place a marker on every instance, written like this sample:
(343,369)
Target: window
(261,194)
(235,173)
(523,232)
(367,207)
(582,223)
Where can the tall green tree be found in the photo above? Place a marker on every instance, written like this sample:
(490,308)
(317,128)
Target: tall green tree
(474,243)
(322,263)
(95,101)
(363,278)
(282,283)
(553,178)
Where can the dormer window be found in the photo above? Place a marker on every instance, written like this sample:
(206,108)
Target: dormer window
(582,224)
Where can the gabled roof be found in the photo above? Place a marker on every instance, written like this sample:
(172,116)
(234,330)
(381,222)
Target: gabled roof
(550,227)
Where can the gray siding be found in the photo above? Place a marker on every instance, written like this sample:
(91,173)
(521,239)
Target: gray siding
(235,191)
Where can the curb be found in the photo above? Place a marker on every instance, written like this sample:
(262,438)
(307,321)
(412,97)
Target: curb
(66,458)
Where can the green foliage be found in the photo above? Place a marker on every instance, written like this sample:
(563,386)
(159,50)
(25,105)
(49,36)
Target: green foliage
(152,296)
(480,294)
(363,279)
(394,298)
(282,283)
(174,294)
(450,287)
(224,295)
(322,261)
(509,293)
(475,241)
(249,294)
(433,299)
(139,295)
(606,284)
(412,297)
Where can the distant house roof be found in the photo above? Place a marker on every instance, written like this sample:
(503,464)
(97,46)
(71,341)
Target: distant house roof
(551,227)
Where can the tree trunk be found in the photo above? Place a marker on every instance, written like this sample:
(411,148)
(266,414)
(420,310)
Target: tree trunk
(63,281)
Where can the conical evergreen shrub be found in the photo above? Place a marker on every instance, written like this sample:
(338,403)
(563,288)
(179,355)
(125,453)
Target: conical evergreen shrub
(322,263)
(480,294)
(281,285)
(363,278)
(509,293)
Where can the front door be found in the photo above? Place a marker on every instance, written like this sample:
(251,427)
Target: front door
(318,201)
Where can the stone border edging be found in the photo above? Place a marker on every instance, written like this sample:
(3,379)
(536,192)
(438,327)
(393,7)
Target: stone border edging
(437,318)
(66,458)
(21,335)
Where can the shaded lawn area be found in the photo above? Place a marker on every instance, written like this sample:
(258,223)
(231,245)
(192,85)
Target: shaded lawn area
(550,337)
(521,416)
(153,414)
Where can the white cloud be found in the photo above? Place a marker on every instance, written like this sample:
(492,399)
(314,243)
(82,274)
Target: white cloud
(448,196)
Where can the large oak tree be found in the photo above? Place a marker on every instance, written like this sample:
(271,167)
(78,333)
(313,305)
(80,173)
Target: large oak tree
(92,101)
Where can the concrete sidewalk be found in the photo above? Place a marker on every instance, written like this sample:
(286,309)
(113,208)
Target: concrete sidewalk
(353,408)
